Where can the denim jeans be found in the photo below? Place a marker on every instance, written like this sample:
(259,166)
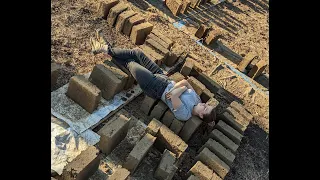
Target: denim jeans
(147,73)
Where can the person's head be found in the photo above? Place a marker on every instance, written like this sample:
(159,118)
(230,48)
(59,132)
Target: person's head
(206,112)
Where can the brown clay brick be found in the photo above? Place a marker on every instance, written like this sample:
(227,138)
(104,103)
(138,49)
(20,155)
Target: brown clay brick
(148,104)
(257,69)
(234,135)
(246,61)
(206,95)
(153,127)
(239,108)
(83,92)
(130,22)
(209,83)
(130,80)
(213,102)
(152,54)
(174,6)
(175,52)
(159,40)
(213,36)
(166,168)
(115,11)
(158,110)
(162,37)
(197,85)
(185,6)
(231,121)
(176,77)
(119,174)
(140,32)
(122,18)
(201,31)
(224,140)
(203,172)
(190,127)
(168,118)
(105,7)
(158,47)
(176,126)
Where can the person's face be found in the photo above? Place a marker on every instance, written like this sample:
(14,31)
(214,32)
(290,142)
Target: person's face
(203,108)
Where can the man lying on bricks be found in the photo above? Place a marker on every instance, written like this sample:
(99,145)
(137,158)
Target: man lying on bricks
(180,96)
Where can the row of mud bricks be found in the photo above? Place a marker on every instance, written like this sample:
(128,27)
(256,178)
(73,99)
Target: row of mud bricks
(217,154)
(120,129)
(180,6)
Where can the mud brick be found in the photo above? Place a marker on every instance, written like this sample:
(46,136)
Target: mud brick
(223,153)
(185,6)
(115,11)
(189,128)
(175,52)
(257,69)
(224,140)
(214,162)
(176,126)
(158,47)
(113,132)
(105,6)
(109,78)
(203,172)
(153,127)
(213,36)
(230,112)
(168,118)
(187,67)
(202,31)
(54,73)
(158,110)
(172,141)
(148,104)
(130,80)
(174,6)
(192,177)
(139,152)
(229,97)
(194,3)
(162,37)
(176,77)
(197,85)
(206,95)
(231,121)
(239,108)
(166,168)
(198,68)
(130,22)
(213,102)
(119,174)
(83,166)
(246,61)
(229,131)
(158,40)
(122,18)
(83,92)
(140,32)
(209,83)
(152,54)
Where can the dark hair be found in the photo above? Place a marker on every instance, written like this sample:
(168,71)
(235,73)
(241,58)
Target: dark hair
(209,117)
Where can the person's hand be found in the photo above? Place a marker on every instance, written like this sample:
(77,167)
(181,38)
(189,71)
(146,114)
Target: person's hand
(168,95)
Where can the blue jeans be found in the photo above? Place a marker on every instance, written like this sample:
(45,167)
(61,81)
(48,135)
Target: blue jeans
(147,73)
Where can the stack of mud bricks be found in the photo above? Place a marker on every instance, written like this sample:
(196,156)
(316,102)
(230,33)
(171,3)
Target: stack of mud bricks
(178,6)
(157,48)
(172,146)
(127,21)
(251,66)
(217,155)
(83,166)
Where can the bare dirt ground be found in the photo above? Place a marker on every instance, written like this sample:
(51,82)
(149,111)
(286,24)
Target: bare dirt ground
(245,24)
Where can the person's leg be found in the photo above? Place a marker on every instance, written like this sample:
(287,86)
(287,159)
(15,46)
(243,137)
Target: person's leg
(127,55)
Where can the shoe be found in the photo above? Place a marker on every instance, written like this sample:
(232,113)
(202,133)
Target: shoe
(97,47)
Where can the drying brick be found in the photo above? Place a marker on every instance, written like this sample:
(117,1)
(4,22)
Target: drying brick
(190,127)
(113,132)
(185,6)
(158,40)
(139,151)
(187,67)
(122,18)
(168,118)
(105,7)
(148,104)
(175,52)
(152,54)
(246,61)
(257,69)
(214,162)
(119,174)
(224,140)
(130,80)
(209,83)
(197,85)
(83,92)
(176,126)
(224,154)
(174,6)
(115,11)
(201,31)
(212,36)
(158,47)
(158,110)
(206,95)
(231,121)
(130,22)
(140,32)
(83,166)
(203,172)
(162,37)
(239,108)
(153,127)
(166,168)
(176,77)
(229,131)
(109,78)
